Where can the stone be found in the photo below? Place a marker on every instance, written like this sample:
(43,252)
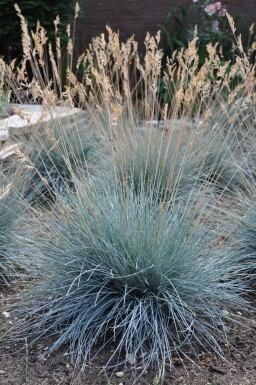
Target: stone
(8,150)
(6,314)
(119,374)
(4,134)
(2,372)
(28,117)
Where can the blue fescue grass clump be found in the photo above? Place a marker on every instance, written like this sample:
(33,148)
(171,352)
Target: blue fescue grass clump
(175,164)
(123,268)
(245,234)
(53,155)
(237,122)
(10,210)
(156,163)
(220,168)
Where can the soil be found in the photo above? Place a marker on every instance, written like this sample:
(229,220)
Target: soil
(21,364)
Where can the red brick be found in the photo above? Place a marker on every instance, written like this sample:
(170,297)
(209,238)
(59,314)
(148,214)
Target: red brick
(138,16)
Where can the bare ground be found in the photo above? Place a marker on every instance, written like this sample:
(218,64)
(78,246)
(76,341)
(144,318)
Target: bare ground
(21,364)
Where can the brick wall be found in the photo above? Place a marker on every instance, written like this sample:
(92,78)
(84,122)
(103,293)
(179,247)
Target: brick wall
(139,16)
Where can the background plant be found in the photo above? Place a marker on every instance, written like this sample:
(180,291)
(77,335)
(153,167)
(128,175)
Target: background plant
(212,27)
(54,154)
(46,11)
(10,210)
(178,163)
(237,121)
(245,234)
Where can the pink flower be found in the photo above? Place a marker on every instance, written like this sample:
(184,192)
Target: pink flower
(210,9)
(222,12)
(215,25)
(217,5)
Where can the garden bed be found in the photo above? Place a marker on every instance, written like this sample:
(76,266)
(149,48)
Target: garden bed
(24,365)
(127,231)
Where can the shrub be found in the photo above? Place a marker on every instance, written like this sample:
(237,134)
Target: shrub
(127,270)
(46,11)
(212,27)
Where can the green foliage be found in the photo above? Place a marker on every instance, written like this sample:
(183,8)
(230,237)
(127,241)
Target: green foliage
(45,11)
(214,28)
(175,35)
(178,31)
